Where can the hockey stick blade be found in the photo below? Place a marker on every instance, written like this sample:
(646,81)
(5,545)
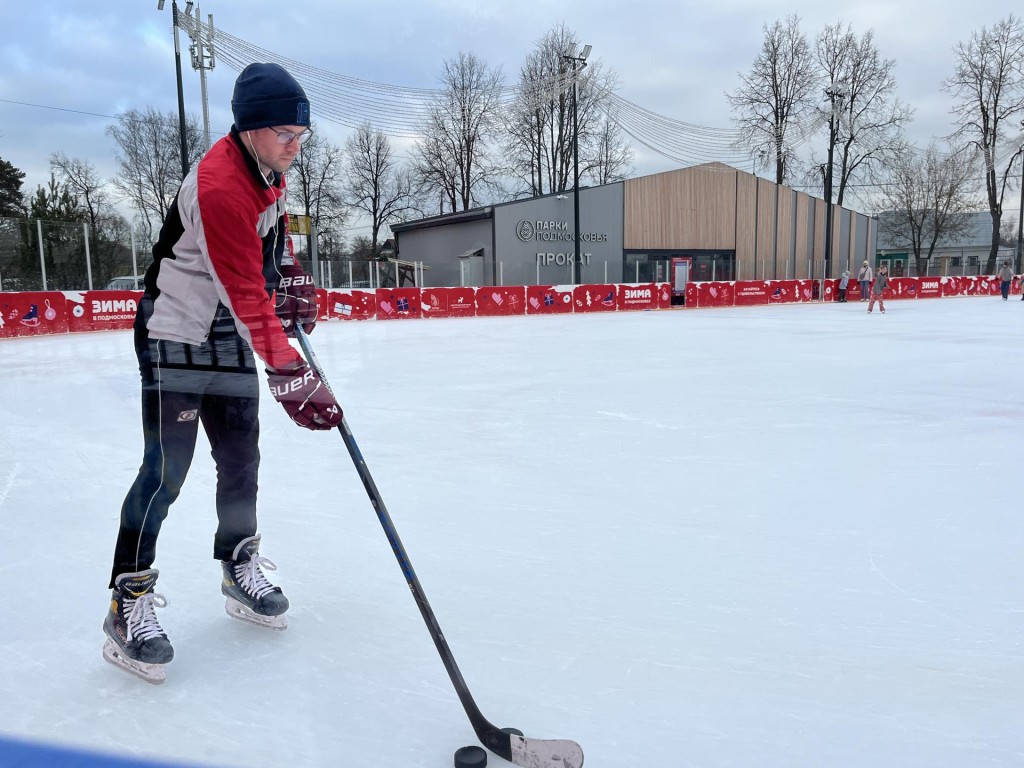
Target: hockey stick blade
(545,753)
(519,750)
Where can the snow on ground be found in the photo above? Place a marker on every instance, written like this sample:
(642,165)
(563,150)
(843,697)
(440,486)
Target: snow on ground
(779,536)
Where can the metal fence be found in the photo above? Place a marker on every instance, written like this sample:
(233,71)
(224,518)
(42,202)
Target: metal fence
(65,256)
(39,255)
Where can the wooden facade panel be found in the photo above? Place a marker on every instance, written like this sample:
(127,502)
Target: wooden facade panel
(766,213)
(682,209)
(801,247)
(745,220)
(716,207)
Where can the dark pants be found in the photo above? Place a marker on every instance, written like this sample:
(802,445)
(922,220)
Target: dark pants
(842,294)
(214,383)
(1004,286)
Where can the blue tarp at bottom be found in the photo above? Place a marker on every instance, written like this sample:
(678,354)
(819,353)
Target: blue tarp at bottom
(24,754)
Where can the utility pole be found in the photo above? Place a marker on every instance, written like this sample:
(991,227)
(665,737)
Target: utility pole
(177,71)
(577,63)
(203,59)
(836,94)
(1020,214)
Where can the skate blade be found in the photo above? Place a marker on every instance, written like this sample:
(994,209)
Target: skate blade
(238,611)
(151,673)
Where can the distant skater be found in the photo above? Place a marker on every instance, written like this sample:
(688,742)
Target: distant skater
(844,282)
(864,276)
(878,288)
(1005,278)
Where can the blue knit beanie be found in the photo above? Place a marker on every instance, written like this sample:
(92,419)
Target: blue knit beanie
(266,95)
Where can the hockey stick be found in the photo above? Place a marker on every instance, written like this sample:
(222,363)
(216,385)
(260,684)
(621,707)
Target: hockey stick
(520,750)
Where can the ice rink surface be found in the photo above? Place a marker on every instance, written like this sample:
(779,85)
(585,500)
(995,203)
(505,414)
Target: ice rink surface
(780,536)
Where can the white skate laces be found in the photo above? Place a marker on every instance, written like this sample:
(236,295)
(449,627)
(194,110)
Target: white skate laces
(141,619)
(250,577)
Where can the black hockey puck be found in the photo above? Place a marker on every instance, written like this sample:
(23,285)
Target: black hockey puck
(470,757)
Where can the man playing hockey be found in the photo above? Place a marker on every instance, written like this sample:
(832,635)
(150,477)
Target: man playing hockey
(224,284)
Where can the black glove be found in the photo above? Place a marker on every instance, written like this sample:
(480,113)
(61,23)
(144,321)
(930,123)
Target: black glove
(305,398)
(295,301)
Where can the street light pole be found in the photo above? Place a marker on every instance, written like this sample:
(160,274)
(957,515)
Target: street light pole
(1020,213)
(177,71)
(578,63)
(835,92)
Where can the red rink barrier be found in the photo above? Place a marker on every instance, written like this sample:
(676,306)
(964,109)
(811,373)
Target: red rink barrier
(716,294)
(853,290)
(902,288)
(989,286)
(351,305)
(548,299)
(398,303)
(32,313)
(831,290)
(497,300)
(594,298)
(101,310)
(783,291)
(950,286)
(929,288)
(640,296)
(664,295)
(448,302)
(807,290)
(751,293)
(692,296)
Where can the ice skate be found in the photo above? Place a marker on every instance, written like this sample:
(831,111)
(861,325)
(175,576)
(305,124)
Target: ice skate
(135,640)
(250,597)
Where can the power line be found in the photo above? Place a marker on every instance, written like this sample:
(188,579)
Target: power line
(58,109)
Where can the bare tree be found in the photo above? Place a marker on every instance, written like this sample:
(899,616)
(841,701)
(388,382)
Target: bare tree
(927,197)
(989,86)
(613,157)
(108,230)
(84,182)
(149,163)
(776,97)
(454,154)
(869,117)
(315,190)
(375,183)
(539,129)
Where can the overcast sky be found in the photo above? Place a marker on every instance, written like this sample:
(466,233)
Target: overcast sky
(82,62)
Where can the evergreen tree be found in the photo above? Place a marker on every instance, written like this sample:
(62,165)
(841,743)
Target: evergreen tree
(11,198)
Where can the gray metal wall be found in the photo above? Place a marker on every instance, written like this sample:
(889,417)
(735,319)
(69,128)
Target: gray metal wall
(439,249)
(535,240)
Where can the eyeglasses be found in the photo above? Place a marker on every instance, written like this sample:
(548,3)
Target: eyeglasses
(287,137)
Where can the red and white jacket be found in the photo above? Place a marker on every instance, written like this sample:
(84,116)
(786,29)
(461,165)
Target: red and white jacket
(225,240)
